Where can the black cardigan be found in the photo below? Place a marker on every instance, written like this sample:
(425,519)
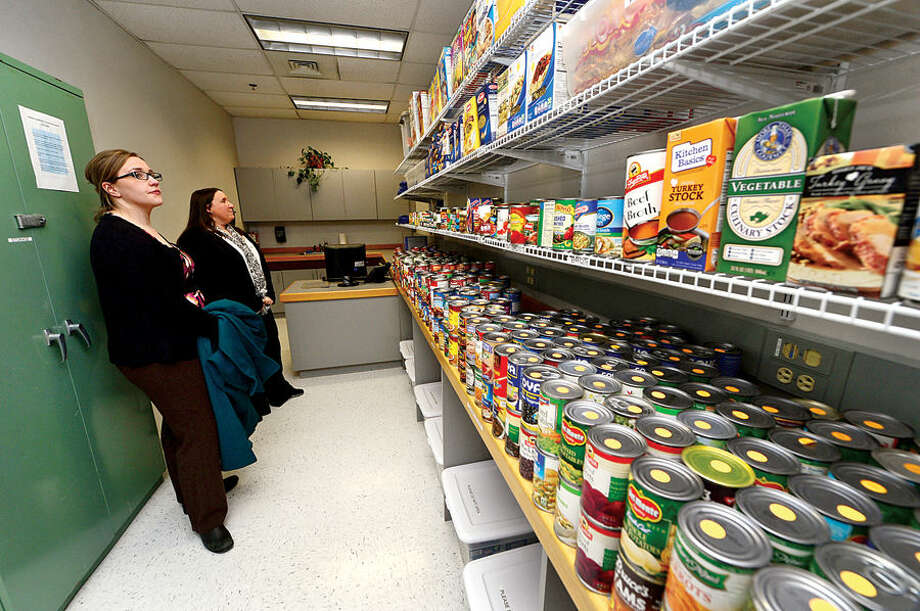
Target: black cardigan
(220,269)
(142,288)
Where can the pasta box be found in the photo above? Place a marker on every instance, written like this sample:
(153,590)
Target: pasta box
(517,92)
(487,109)
(855,219)
(501,86)
(546,87)
(470,129)
(772,149)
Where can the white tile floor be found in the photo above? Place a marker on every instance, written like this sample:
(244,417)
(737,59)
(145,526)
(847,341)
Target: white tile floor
(343,510)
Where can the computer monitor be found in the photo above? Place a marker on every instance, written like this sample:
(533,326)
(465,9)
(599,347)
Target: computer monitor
(345,260)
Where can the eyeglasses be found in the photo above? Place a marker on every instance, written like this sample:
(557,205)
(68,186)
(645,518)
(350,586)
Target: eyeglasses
(141,175)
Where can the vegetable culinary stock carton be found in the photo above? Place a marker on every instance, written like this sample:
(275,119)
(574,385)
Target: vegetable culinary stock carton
(772,150)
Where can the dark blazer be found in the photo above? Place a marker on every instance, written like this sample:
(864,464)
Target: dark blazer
(220,270)
(142,287)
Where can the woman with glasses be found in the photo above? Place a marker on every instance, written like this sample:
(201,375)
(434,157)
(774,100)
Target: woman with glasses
(229,265)
(153,317)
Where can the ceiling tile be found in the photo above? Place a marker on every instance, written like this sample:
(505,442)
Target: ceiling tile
(252,100)
(398,106)
(181,25)
(265,113)
(329,115)
(403,92)
(216,5)
(390,14)
(376,70)
(225,81)
(213,59)
(419,75)
(422,47)
(337,89)
(440,17)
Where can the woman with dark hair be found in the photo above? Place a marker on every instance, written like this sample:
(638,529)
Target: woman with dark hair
(154,317)
(229,265)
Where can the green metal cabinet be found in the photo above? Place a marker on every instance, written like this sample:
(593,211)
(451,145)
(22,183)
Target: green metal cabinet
(80,451)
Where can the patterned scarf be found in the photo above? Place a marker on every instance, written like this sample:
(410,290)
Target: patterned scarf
(250,255)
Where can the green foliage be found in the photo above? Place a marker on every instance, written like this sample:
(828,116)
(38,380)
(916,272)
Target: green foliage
(311,162)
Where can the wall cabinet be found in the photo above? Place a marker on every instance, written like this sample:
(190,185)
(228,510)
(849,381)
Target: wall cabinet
(329,198)
(360,195)
(386,185)
(292,201)
(256,189)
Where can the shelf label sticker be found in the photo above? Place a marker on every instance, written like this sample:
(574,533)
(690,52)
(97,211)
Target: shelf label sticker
(18,240)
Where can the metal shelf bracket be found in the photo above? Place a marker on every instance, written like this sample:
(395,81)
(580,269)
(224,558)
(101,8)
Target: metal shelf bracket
(571,160)
(758,86)
(491,178)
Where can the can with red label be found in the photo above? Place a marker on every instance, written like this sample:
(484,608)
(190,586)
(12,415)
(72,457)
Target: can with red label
(523,223)
(499,386)
(502,214)
(596,555)
(642,203)
(610,452)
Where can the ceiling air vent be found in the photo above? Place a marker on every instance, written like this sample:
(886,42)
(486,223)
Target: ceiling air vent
(304,67)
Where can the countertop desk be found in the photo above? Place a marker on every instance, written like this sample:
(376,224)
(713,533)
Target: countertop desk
(333,326)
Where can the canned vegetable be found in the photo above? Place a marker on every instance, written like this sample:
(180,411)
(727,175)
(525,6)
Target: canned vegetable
(854,443)
(772,465)
(751,421)
(815,453)
(783,588)
(723,473)
(868,577)
(847,511)
(896,498)
(611,449)
(666,437)
(793,526)
(578,418)
(710,428)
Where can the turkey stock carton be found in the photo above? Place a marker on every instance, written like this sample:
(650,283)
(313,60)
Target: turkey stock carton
(692,203)
(772,150)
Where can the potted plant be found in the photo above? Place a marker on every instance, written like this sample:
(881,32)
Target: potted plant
(312,162)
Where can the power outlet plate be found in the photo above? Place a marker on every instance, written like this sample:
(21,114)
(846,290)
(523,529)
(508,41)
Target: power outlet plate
(803,366)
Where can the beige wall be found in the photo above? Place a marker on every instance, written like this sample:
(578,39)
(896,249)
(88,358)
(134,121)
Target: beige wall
(134,100)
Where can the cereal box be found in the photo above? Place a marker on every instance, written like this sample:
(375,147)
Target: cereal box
(505,10)
(502,97)
(546,88)
(487,108)
(456,60)
(469,40)
(695,172)
(424,107)
(445,73)
(517,93)
(855,219)
(772,149)
(470,127)
(485,26)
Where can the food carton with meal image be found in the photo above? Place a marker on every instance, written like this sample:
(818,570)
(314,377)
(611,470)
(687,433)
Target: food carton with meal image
(487,109)
(855,219)
(470,127)
(546,86)
(456,60)
(517,92)
(469,40)
(445,72)
(485,26)
(503,98)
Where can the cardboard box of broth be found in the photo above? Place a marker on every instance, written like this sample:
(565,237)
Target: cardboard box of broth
(697,166)
(772,149)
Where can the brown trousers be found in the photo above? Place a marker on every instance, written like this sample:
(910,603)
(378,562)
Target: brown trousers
(189,437)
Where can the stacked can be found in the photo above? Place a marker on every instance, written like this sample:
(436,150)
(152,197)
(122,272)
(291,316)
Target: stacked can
(490,341)
(517,363)
(471,350)
(499,386)
(554,396)
(578,419)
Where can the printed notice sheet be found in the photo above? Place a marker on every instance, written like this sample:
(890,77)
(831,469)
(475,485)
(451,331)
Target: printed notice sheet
(49,150)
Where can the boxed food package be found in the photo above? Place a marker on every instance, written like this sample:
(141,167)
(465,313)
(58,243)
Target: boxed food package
(772,149)
(415,115)
(696,169)
(485,26)
(546,88)
(909,288)
(456,140)
(456,60)
(505,10)
(469,40)
(605,36)
(517,92)
(855,220)
(434,96)
(485,217)
(487,108)
(424,106)
(470,127)
(608,241)
(547,221)
(504,106)
(445,73)
(642,204)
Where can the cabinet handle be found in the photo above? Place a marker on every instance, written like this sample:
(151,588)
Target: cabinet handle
(78,328)
(56,338)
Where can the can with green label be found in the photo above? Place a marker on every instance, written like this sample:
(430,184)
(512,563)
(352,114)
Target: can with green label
(819,410)
(854,444)
(668,401)
(781,588)
(868,577)
(890,432)
(896,498)
(627,410)
(598,387)
(793,526)
(772,465)
(578,418)
(710,429)
(568,511)
(750,420)
(737,389)
(700,373)
(705,396)
(723,473)
(787,413)
(815,453)
(554,396)
(905,465)
(848,512)
(563,224)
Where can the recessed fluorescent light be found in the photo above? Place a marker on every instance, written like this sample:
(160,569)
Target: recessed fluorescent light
(340,104)
(327,39)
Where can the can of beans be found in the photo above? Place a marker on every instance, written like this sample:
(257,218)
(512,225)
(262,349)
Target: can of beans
(574,369)
(867,577)
(727,357)
(710,428)
(596,555)
(704,396)
(627,410)
(554,396)
(772,465)
(490,341)
(750,420)
(668,401)
(611,450)
(657,490)
(563,224)
(890,432)
(568,511)
(528,450)
(848,512)
(545,480)
(632,589)
(578,418)
(529,398)
(905,465)
(517,363)
(787,413)
(634,382)
(598,387)
(854,443)
(700,373)
(815,453)
(453,349)
(793,526)
(584,226)
(716,553)
(778,588)
(723,473)
(896,498)
(665,437)
(512,432)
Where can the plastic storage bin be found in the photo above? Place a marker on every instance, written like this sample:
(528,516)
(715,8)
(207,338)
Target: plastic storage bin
(410,369)
(504,581)
(485,514)
(407,349)
(428,399)
(434,430)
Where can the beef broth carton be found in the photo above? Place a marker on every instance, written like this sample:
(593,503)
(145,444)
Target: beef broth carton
(692,204)
(855,220)
(772,150)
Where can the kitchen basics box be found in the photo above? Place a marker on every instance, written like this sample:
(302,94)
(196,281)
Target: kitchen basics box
(487,109)
(855,220)
(695,172)
(546,86)
(517,92)
(772,149)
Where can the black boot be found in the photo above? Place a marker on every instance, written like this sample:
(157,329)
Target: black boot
(230,482)
(217,540)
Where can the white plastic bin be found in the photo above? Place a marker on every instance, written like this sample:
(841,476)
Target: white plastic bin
(435,433)
(410,370)
(428,399)
(407,348)
(486,516)
(506,581)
